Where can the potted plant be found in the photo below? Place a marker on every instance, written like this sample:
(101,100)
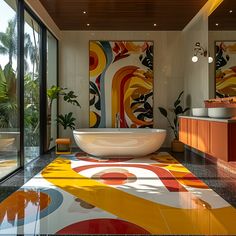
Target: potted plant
(176,145)
(66,120)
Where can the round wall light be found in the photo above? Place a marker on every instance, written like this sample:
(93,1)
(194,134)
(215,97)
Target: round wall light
(210,59)
(194,58)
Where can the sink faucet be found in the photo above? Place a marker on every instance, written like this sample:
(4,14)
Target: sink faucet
(117,123)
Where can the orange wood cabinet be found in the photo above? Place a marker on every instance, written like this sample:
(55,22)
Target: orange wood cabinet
(217,139)
(203,135)
(193,139)
(183,130)
(218,145)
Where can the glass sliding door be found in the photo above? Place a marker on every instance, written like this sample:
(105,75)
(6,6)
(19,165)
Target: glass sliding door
(9,108)
(32,37)
(51,81)
(33,66)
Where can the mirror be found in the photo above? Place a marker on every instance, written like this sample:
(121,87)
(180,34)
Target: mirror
(222,46)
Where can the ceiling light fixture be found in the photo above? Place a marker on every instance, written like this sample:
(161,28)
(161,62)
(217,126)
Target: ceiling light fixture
(199,50)
(88,24)
(154,24)
(217,24)
(230,11)
(84,12)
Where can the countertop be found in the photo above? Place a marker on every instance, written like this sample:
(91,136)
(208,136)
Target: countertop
(233,120)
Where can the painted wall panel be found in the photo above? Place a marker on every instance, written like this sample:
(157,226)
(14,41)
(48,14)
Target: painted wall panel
(121,84)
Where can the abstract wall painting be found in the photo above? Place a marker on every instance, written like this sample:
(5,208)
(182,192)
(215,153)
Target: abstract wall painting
(121,82)
(225,68)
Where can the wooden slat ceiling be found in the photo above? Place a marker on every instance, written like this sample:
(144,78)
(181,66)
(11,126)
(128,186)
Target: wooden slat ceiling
(122,14)
(223,16)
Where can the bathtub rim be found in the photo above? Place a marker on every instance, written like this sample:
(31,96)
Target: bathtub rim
(118,130)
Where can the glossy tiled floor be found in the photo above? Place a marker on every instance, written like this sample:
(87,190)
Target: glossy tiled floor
(78,194)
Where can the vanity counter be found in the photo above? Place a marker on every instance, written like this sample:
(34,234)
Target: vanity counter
(232,120)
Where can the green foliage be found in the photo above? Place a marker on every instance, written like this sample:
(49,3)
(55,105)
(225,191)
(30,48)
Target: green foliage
(8,84)
(70,97)
(53,93)
(176,111)
(8,102)
(8,40)
(67,120)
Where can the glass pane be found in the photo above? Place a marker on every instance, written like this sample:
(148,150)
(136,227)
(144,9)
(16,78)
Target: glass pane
(51,81)
(31,85)
(9,110)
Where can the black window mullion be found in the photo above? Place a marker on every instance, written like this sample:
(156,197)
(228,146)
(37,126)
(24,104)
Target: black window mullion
(20,68)
(43,90)
(57,84)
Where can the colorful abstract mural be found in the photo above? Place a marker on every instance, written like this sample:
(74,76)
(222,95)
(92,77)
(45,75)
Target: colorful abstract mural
(121,83)
(225,66)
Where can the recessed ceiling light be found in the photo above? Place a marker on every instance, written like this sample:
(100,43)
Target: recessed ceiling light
(84,12)
(88,24)
(230,11)
(217,24)
(154,24)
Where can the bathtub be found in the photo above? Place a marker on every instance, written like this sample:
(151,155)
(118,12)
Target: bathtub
(119,142)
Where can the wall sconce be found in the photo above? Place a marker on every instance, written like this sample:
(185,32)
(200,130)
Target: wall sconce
(199,50)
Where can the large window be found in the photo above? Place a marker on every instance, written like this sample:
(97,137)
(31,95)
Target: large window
(9,103)
(31,88)
(28,66)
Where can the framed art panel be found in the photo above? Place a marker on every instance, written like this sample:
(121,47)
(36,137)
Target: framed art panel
(225,68)
(121,84)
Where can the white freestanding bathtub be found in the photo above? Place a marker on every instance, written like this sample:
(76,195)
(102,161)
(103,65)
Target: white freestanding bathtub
(120,141)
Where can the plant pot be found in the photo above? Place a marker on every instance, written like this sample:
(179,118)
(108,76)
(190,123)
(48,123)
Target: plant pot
(177,146)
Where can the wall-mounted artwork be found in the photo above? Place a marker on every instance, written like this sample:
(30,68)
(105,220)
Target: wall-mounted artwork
(121,82)
(225,68)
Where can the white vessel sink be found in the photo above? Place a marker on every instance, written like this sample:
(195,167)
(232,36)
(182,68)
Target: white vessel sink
(221,112)
(200,112)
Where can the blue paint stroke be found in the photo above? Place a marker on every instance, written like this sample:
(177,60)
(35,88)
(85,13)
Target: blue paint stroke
(106,46)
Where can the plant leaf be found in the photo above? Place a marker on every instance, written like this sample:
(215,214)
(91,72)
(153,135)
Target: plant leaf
(70,97)
(178,110)
(177,102)
(176,121)
(180,95)
(186,109)
(163,111)
(67,120)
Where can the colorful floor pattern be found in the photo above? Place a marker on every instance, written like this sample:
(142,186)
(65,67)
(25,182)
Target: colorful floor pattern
(79,194)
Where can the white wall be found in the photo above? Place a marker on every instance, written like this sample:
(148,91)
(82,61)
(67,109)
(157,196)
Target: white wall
(196,85)
(74,69)
(196,75)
